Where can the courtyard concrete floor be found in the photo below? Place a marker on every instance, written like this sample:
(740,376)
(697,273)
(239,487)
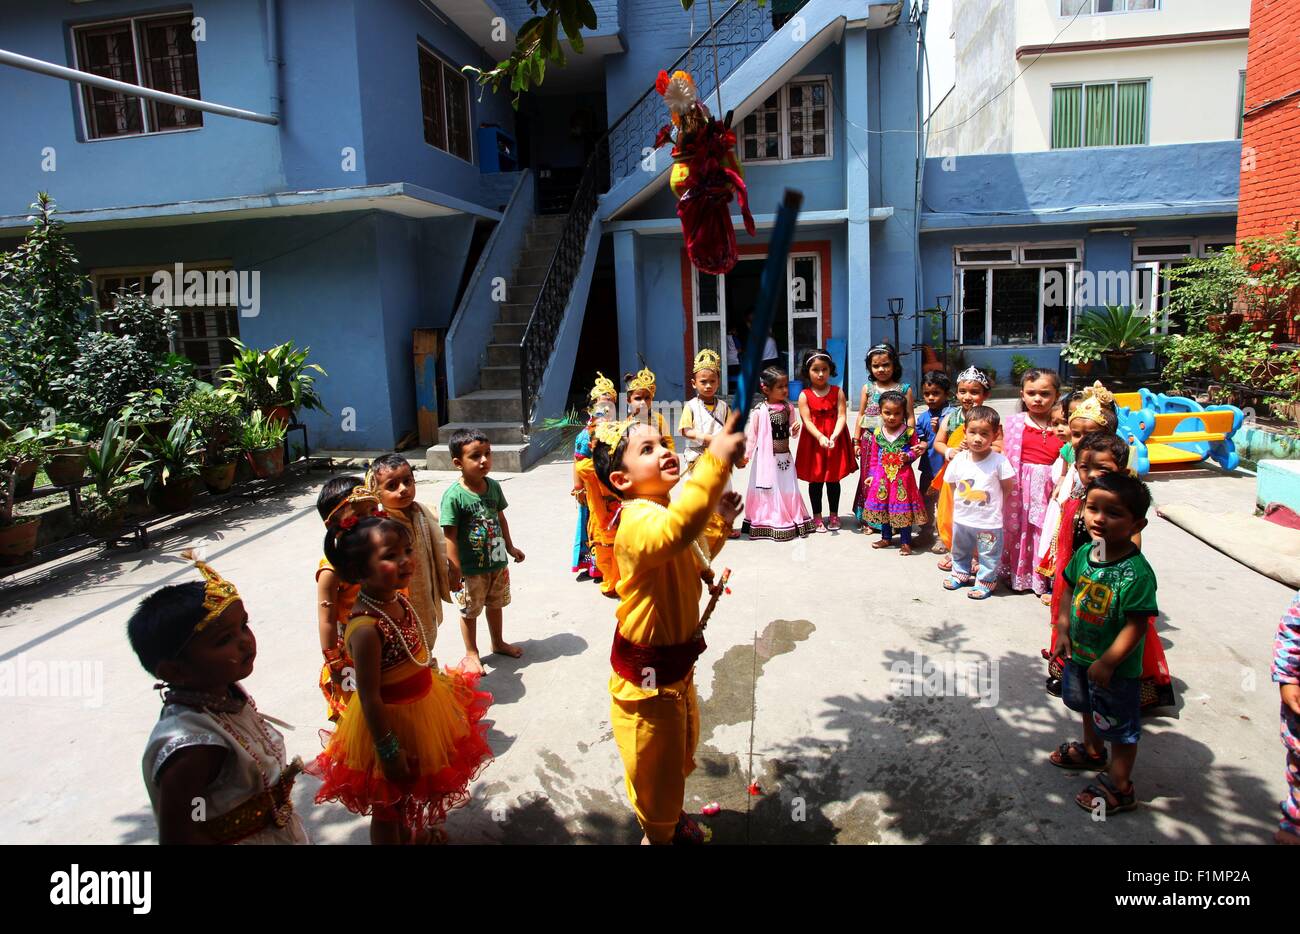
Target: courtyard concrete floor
(796,690)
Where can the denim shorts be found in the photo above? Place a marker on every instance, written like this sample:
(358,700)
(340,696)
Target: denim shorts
(1115,710)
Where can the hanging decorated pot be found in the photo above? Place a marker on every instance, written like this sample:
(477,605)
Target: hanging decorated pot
(706,175)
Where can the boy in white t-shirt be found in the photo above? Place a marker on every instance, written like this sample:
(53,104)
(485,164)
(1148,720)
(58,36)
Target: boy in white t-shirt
(981,480)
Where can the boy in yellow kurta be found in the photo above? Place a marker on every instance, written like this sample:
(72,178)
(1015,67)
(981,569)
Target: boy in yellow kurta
(640,403)
(601,506)
(661,549)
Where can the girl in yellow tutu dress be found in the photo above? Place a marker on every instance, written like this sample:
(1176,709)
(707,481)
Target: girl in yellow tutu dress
(412,737)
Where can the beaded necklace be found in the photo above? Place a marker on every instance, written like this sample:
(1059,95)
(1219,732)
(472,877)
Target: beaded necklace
(282,813)
(430,661)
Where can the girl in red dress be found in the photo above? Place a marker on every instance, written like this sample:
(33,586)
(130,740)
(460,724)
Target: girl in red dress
(825,456)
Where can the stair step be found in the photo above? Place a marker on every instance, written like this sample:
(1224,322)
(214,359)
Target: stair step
(497,432)
(499,377)
(487,405)
(541,257)
(515,313)
(506,457)
(529,275)
(548,223)
(524,294)
(535,242)
(503,355)
(508,333)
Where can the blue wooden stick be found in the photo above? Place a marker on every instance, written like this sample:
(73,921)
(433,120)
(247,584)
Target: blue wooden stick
(771,287)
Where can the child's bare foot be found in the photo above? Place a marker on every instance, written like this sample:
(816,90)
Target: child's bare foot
(905,550)
(882,544)
(1286,838)
(471,664)
(505,648)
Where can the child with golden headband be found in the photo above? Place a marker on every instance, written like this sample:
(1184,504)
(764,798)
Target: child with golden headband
(663,552)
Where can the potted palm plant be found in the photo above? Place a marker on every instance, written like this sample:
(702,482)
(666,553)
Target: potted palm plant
(107,462)
(67,448)
(262,441)
(1119,333)
(218,422)
(171,471)
(277,382)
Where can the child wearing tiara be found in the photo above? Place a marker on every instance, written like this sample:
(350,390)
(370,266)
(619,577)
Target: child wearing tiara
(411,738)
(893,501)
(640,403)
(1031,444)
(340,499)
(584,561)
(601,507)
(973,387)
(825,456)
(774,506)
(884,374)
(705,413)
(214,767)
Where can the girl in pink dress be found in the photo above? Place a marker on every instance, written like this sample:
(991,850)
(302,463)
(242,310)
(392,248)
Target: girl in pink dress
(1031,444)
(825,456)
(774,507)
(893,500)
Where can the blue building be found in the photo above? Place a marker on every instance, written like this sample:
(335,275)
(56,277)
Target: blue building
(393,194)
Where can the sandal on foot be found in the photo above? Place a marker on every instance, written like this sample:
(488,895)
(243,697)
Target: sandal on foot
(945,563)
(957,581)
(980,592)
(1074,757)
(688,832)
(938,548)
(818,525)
(1107,792)
(883,543)
(833,523)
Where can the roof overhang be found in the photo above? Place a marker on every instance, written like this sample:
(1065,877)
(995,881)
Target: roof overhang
(400,198)
(932,222)
(481,20)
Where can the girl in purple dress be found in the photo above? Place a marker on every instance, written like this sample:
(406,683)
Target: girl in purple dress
(890,495)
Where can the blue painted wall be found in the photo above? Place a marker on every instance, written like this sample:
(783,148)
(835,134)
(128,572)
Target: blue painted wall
(349,78)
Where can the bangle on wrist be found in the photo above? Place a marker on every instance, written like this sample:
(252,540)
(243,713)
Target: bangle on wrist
(388,748)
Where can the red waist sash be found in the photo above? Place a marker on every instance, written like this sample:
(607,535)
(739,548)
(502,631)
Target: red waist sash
(408,690)
(668,663)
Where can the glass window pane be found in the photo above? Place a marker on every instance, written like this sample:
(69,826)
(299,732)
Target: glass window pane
(973,285)
(708,334)
(708,286)
(806,338)
(171,64)
(456,87)
(109,51)
(1015,306)
(803,287)
(807,119)
(1132,114)
(435,123)
(1056,304)
(1099,105)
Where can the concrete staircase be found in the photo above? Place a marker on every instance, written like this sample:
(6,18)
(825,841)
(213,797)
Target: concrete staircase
(496,407)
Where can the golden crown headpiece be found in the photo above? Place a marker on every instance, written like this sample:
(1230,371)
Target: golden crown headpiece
(1095,399)
(707,359)
(604,387)
(1100,393)
(218,593)
(611,433)
(363,493)
(644,379)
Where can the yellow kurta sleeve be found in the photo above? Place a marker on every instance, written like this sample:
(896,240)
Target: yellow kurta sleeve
(688,419)
(715,534)
(665,431)
(656,535)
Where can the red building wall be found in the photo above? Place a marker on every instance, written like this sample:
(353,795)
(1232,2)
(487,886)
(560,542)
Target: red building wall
(1270,170)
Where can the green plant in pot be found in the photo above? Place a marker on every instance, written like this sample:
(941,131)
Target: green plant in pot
(1019,365)
(66,447)
(17,533)
(262,441)
(172,468)
(1120,333)
(277,382)
(218,421)
(108,462)
(23,453)
(1082,353)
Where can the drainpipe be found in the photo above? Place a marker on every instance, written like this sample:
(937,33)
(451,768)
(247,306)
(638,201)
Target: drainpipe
(273,54)
(133,90)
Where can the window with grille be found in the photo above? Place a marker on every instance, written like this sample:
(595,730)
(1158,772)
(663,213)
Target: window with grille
(444,100)
(153,51)
(794,123)
(202,332)
(1108,113)
(1019,294)
(1088,7)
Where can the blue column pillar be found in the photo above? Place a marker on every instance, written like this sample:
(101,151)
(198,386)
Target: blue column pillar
(627,285)
(856,95)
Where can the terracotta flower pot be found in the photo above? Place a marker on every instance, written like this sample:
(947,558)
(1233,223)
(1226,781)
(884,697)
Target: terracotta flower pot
(219,478)
(267,463)
(18,541)
(108,527)
(24,478)
(1118,363)
(277,413)
(1083,369)
(67,464)
(177,495)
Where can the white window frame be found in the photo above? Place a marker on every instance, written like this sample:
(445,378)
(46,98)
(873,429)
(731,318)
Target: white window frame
(1019,262)
(446,123)
(145,273)
(783,120)
(141,102)
(1114,117)
(1092,11)
(790,313)
(1156,264)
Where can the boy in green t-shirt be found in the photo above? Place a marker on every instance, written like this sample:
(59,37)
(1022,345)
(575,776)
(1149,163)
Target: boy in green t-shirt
(1100,629)
(478,545)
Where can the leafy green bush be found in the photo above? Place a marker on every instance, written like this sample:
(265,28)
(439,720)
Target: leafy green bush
(218,421)
(280,376)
